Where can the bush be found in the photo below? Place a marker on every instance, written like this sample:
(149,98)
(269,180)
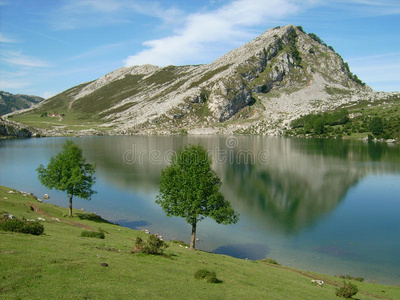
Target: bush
(93,234)
(376,126)
(318,126)
(208,276)
(138,246)
(21,226)
(154,245)
(270,261)
(349,277)
(348,290)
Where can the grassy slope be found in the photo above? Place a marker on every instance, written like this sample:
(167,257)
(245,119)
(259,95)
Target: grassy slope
(387,108)
(62,265)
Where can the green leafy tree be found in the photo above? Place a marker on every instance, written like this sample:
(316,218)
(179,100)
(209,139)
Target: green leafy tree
(69,172)
(189,188)
(318,126)
(376,126)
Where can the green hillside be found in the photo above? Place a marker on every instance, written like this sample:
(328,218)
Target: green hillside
(354,121)
(61,264)
(10,102)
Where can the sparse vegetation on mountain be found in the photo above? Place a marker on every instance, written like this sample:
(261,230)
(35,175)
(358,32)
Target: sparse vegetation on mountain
(10,102)
(258,88)
(380,120)
(376,126)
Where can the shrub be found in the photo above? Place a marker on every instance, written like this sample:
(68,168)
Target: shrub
(317,39)
(93,234)
(208,276)
(270,261)
(318,126)
(138,246)
(154,245)
(349,277)
(376,126)
(21,226)
(348,290)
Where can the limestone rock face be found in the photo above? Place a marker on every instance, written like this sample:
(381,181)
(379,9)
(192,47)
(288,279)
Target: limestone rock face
(260,86)
(13,129)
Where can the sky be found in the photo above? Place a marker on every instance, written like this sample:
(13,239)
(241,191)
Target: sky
(48,46)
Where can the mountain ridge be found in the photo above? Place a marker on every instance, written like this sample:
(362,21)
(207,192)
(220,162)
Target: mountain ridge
(256,88)
(13,102)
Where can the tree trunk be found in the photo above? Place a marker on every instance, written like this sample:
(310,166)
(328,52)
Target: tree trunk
(193,238)
(70,205)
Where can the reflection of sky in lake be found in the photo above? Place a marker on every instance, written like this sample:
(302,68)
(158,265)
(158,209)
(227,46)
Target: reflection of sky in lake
(322,205)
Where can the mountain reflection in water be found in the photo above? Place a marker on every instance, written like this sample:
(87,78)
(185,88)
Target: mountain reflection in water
(308,203)
(296,182)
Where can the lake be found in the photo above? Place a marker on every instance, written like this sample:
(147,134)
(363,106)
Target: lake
(329,206)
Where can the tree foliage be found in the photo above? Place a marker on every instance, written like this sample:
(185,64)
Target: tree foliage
(348,290)
(317,122)
(376,126)
(189,188)
(68,172)
(317,39)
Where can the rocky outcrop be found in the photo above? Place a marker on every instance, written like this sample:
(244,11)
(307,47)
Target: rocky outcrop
(257,88)
(14,129)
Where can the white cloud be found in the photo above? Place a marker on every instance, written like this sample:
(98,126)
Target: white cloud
(48,94)
(16,58)
(7,40)
(78,14)
(379,71)
(377,56)
(7,84)
(207,33)
(367,8)
(101,50)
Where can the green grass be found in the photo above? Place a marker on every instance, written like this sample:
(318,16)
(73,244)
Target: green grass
(70,120)
(388,109)
(60,264)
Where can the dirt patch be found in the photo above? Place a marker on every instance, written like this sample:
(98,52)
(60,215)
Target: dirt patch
(38,210)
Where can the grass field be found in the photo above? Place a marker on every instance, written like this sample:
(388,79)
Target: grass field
(69,121)
(60,264)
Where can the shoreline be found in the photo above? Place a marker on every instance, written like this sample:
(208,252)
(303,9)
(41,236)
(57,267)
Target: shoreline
(76,222)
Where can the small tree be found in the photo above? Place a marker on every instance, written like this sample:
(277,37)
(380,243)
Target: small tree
(69,172)
(376,126)
(318,126)
(348,290)
(189,188)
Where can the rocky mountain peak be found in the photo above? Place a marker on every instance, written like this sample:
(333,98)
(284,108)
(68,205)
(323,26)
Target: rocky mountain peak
(259,87)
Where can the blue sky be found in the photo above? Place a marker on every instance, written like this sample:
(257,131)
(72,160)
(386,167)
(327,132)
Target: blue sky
(48,46)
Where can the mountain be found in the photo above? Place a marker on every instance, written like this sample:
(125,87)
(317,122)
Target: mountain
(10,103)
(257,88)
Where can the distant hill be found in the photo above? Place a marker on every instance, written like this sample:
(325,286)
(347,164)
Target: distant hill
(258,88)
(10,102)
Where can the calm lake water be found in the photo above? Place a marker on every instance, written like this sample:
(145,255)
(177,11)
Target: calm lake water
(328,206)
